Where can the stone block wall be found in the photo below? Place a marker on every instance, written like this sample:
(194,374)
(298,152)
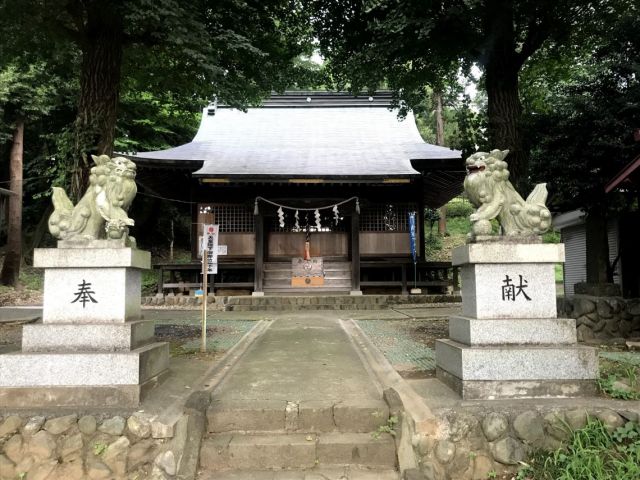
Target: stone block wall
(73,447)
(602,317)
(473,443)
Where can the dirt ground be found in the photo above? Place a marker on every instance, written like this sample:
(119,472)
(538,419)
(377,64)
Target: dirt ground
(10,337)
(428,331)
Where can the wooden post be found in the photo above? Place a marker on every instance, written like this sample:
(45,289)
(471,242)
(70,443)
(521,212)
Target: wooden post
(403,277)
(205,273)
(259,254)
(160,280)
(355,252)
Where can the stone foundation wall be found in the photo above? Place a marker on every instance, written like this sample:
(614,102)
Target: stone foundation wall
(213,302)
(86,447)
(472,443)
(602,317)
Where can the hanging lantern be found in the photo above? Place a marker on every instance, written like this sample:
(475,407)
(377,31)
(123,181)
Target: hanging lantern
(281,217)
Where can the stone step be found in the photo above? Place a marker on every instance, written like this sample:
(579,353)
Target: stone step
(342,284)
(512,331)
(323,298)
(286,275)
(360,416)
(319,473)
(287,451)
(517,362)
(326,267)
(297,308)
(87,337)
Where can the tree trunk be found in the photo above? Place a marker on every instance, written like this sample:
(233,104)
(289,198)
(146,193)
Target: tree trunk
(597,248)
(437,100)
(502,66)
(11,266)
(99,88)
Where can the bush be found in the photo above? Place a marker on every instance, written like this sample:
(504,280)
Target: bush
(459,207)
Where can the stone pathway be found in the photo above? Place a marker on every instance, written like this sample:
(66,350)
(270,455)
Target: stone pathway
(299,399)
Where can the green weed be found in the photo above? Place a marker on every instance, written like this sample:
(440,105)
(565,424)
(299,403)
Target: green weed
(389,428)
(612,372)
(99,448)
(592,453)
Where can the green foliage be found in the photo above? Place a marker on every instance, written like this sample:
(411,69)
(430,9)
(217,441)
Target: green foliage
(431,216)
(433,244)
(99,448)
(31,278)
(389,427)
(459,207)
(458,225)
(592,453)
(614,374)
(583,104)
(552,236)
(149,281)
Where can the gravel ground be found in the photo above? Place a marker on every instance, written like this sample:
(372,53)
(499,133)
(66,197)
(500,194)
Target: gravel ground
(184,339)
(407,344)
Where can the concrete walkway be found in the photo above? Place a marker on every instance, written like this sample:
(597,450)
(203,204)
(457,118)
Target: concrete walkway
(300,358)
(299,399)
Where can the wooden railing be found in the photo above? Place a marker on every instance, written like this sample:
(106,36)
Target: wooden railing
(382,273)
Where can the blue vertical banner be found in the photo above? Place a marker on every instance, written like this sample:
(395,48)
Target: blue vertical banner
(412,235)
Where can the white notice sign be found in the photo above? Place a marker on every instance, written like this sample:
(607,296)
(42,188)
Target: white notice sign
(210,243)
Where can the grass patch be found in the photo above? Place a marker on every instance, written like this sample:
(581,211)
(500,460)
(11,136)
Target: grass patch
(458,225)
(592,453)
(559,273)
(619,378)
(32,278)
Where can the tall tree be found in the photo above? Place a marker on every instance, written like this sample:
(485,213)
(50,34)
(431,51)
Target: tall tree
(26,93)
(583,104)
(236,50)
(415,43)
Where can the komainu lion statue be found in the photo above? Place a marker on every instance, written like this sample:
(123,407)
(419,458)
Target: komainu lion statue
(102,211)
(488,187)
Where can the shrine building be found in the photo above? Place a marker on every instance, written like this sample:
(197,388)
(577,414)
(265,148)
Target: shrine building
(340,171)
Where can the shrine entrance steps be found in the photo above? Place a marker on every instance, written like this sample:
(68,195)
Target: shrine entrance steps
(299,404)
(277,278)
(331,301)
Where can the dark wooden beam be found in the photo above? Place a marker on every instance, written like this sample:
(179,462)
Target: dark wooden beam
(355,251)
(259,231)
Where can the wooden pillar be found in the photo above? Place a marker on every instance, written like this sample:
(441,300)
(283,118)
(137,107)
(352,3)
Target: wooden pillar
(355,252)
(422,245)
(259,254)
(403,277)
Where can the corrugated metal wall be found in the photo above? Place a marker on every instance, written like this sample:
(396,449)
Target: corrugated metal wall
(575,266)
(613,235)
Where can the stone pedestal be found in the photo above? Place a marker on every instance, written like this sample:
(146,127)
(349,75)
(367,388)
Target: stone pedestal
(92,347)
(508,342)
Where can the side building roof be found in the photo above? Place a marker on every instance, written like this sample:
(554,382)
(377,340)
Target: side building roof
(302,135)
